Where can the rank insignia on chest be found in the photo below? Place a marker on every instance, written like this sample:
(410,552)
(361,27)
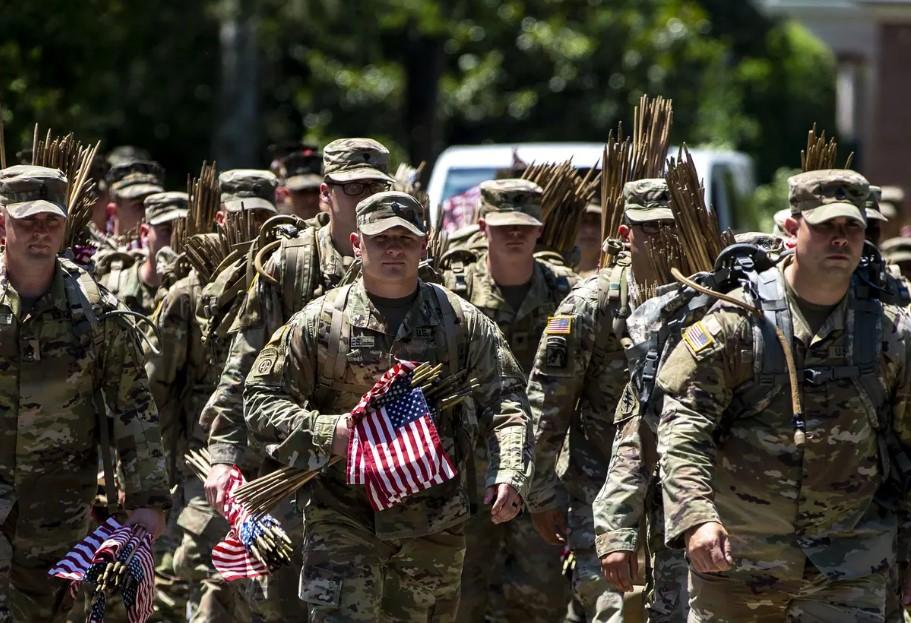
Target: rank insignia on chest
(698,338)
(559,325)
(425,333)
(362,341)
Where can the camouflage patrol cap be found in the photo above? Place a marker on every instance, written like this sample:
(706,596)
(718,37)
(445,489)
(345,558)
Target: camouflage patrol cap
(301,170)
(26,189)
(896,250)
(647,200)
(350,159)
(828,193)
(511,201)
(166,207)
(389,209)
(891,200)
(124,154)
(135,179)
(871,205)
(248,189)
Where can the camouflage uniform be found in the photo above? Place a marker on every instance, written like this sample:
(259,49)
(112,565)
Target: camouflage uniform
(403,563)
(511,557)
(305,265)
(631,495)
(57,361)
(811,531)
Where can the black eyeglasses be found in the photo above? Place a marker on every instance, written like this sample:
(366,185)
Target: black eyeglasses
(359,189)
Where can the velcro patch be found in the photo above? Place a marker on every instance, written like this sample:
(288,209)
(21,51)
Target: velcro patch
(698,338)
(559,325)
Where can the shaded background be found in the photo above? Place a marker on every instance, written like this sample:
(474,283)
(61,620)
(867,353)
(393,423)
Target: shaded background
(203,79)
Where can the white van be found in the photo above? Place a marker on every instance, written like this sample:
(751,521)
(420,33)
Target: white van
(726,175)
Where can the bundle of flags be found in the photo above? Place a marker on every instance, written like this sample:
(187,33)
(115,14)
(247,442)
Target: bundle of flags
(113,558)
(255,545)
(394,449)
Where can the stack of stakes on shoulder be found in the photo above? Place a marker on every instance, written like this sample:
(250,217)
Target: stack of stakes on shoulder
(632,158)
(441,393)
(821,154)
(566,193)
(261,534)
(191,247)
(694,244)
(75,160)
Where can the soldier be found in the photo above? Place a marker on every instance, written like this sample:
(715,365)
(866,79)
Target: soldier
(135,278)
(588,240)
(785,512)
(518,293)
(897,251)
(300,177)
(574,387)
(403,563)
(65,355)
(304,266)
(130,183)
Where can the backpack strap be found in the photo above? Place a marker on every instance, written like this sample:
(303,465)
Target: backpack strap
(453,324)
(302,261)
(339,336)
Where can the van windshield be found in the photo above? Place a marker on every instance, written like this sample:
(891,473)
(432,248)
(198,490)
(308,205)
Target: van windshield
(460,180)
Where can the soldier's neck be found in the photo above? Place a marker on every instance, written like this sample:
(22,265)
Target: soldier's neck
(827,289)
(30,278)
(149,274)
(341,240)
(390,289)
(512,272)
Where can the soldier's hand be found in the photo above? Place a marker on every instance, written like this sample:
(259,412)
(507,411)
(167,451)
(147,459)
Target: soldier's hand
(551,525)
(151,519)
(507,504)
(708,548)
(620,569)
(217,486)
(342,434)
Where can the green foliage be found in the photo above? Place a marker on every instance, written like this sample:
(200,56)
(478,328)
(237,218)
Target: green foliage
(771,197)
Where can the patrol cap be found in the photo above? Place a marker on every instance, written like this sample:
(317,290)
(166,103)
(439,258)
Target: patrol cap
(350,159)
(389,209)
(123,154)
(135,179)
(647,200)
(27,189)
(248,189)
(511,201)
(871,205)
(896,250)
(301,170)
(828,193)
(166,207)
(892,197)
(780,217)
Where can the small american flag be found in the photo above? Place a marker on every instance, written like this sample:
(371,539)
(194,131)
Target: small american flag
(231,557)
(559,325)
(108,543)
(394,449)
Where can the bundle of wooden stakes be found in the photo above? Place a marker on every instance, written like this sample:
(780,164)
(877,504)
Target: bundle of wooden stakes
(75,160)
(260,495)
(566,193)
(821,154)
(270,543)
(209,254)
(697,239)
(632,158)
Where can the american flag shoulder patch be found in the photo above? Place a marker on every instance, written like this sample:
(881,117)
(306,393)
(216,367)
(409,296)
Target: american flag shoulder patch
(559,325)
(698,338)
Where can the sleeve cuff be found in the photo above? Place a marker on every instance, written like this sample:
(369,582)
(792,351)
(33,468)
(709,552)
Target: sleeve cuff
(517,480)
(677,526)
(625,540)
(226,453)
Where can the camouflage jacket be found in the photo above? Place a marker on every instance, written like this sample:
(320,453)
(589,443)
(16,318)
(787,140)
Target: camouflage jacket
(119,273)
(310,373)
(723,460)
(59,364)
(181,377)
(305,267)
(522,327)
(577,378)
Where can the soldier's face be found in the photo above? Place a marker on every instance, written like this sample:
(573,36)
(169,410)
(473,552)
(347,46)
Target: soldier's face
(831,247)
(390,256)
(511,241)
(34,238)
(155,237)
(130,213)
(342,199)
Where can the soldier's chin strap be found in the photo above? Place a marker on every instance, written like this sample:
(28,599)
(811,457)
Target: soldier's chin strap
(800,427)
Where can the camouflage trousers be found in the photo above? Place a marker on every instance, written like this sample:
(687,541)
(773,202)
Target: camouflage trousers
(27,551)
(599,602)
(739,596)
(667,599)
(350,574)
(510,573)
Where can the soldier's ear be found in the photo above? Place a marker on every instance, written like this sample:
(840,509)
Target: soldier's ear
(482,226)
(623,231)
(791,225)
(355,239)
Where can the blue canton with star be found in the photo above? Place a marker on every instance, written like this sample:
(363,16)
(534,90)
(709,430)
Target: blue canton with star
(403,403)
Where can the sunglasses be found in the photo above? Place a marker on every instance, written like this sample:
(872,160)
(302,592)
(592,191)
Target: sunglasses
(359,189)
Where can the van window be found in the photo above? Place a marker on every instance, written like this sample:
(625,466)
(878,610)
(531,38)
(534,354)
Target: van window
(460,180)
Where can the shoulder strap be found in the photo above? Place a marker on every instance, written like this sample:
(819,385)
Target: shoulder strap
(301,259)
(339,334)
(453,322)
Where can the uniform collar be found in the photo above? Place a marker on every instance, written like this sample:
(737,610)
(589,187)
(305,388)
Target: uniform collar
(54,298)
(537,290)
(836,321)
(364,314)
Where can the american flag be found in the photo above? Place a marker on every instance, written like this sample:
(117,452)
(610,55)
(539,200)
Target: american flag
(112,542)
(232,557)
(394,449)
